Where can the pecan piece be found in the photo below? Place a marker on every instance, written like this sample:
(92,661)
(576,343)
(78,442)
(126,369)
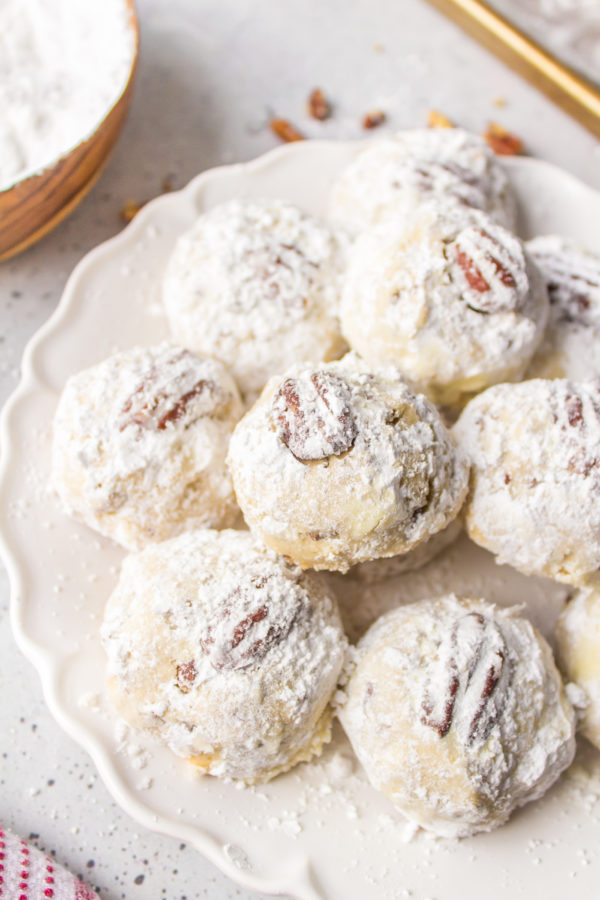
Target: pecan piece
(285,130)
(437,119)
(502,141)
(314,416)
(496,291)
(248,623)
(319,106)
(186,675)
(129,210)
(374,119)
(172,392)
(464,689)
(574,411)
(474,277)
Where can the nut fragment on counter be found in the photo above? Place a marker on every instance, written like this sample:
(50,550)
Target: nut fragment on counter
(285,130)
(437,119)
(319,106)
(503,142)
(374,119)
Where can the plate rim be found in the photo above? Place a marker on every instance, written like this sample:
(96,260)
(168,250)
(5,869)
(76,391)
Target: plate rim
(32,380)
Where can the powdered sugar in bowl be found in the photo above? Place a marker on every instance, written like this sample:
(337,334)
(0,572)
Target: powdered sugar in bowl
(66,77)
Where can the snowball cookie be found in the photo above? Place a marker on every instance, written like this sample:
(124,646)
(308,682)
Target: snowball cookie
(140,442)
(341,463)
(458,714)
(225,652)
(571,346)
(257,285)
(395,175)
(378,570)
(578,641)
(535,476)
(448,296)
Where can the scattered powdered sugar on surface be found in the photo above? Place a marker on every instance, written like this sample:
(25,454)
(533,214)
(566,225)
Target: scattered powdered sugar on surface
(256,284)
(62,66)
(139,442)
(477,676)
(315,432)
(571,346)
(447,295)
(535,475)
(226,653)
(395,175)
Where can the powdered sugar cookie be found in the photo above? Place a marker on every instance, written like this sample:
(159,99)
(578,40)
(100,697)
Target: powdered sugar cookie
(458,714)
(140,442)
(393,176)
(340,463)
(571,345)
(448,296)
(378,570)
(225,652)
(535,475)
(256,284)
(578,641)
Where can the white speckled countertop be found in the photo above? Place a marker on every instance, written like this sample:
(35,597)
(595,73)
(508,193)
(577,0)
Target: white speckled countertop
(210,75)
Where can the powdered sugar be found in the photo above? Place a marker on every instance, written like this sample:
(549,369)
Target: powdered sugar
(448,296)
(395,175)
(225,652)
(256,284)
(63,64)
(457,712)
(536,475)
(571,346)
(393,481)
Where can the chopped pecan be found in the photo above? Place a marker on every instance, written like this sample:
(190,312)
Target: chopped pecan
(186,675)
(437,119)
(374,119)
(285,130)
(130,209)
(502,141)
(319,106)
(574,410)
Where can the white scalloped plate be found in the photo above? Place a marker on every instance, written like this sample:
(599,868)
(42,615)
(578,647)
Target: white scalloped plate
(320,831)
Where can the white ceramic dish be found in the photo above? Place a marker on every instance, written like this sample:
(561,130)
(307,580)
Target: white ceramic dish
(320,831)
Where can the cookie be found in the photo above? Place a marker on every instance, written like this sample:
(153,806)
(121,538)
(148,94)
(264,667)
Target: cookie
(394,176)
(571,345)
(139,442)
(534,499)
(256,284)
(458,714)
(448,296)
(578,643)
(341,463)
(225,653)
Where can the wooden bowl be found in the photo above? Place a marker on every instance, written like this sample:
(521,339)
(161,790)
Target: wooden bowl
(33,206)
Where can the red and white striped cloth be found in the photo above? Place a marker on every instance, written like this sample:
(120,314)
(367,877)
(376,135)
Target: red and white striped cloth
(26,874)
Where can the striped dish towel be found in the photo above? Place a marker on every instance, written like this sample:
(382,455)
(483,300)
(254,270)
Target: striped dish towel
(26,874)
